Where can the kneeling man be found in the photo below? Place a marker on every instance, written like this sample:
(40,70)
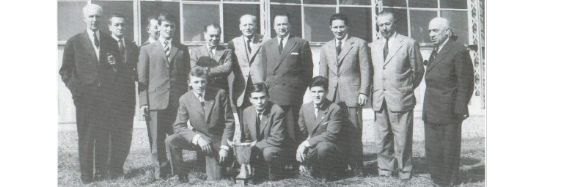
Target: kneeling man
(264,125)
(320,121)
(204,122)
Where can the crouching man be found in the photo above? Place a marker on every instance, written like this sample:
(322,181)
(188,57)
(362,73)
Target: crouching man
(264,126)
(204,123)
(321,122)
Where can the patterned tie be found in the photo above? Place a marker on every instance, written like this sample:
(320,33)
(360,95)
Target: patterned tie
(167,49)
(385,49)
(96,41)
(202,100)
(338,47)
(281,46)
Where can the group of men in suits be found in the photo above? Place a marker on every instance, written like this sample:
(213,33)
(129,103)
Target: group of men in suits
(189,98)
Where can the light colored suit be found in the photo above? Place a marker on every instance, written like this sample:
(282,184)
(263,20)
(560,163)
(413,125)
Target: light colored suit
(219,64)
(394,82)
(246,69)
(349,74)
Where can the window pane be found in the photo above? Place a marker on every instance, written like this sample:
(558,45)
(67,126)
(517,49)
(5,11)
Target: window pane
(294,18)
(244,0)
(69,20)
(398,3)
(423,3)
(355,2)
(459,23)
(316,23)
(124,8)
(419,20)
(201,0)
(153,8)
(460,4)
(232,13)
(359,21)
(325,2)
(286,1)
(401,17)
(195,17)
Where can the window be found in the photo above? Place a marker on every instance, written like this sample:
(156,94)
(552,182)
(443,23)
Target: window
(294,12)
(195,17)
(154,8)
(232,13)
(123,7)
(360,22)
(69,16)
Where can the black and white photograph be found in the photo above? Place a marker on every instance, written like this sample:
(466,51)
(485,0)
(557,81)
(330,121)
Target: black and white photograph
(271,93)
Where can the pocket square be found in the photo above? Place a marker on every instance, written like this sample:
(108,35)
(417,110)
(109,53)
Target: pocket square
(294,53)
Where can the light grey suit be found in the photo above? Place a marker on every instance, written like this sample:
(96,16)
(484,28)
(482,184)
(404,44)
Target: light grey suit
(395,79)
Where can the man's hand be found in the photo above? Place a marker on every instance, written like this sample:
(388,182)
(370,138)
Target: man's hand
(301,151)
(204,145)
(362,99)
(223,153)
(253,144)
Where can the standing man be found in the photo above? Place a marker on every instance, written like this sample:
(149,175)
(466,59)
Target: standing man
(246,66)
(162,72)
(321,122)
(123,106)
(89,65)
(208,112)
(345,62)
(288,65)
(152,30)
(398,71)
(265,129)
(214,57)
(449,84)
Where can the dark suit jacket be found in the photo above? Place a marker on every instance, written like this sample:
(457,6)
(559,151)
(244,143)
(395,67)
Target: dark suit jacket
(272,129)
(396,78)
(449,81)
(289,73)
(324,128)
(125,83)
(245,68)
(81,71)
(220,65)
(349,73)
(215,121)
(162,81)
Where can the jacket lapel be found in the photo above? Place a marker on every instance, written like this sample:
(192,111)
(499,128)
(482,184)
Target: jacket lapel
(219,52)
(321,115)
(160,48)
(241,48)
(173,52)
(345,50)
(196,103)
(288,47)
(258,40)
(439,57)
(209,103)
(331,55)
(264,122)
(89,45)
(394,48)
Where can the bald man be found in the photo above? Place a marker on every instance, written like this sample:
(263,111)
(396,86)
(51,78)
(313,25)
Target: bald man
(449,85)
(90,63)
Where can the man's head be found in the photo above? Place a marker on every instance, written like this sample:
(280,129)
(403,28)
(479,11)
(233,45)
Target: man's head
(259,96)
(198,79)
(439,30)
(339,26)
(281,25)
(152,27)
(117,25)
(318,88)
(212,34)
(166,26)
(386,23)
(248,24)
(92,16)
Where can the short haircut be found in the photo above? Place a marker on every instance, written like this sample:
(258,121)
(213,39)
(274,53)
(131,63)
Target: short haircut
(319,81)
(91,6)
(167,17)
(388,13)
(284,14)
(216,26)
(259,87)
(115,15)
(252,17)
(198,71)
(339,17)
(150,18)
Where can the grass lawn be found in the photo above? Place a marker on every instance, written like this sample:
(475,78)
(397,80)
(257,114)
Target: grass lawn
(138,162)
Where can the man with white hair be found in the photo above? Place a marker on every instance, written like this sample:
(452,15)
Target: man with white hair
(449,83)
(90,62)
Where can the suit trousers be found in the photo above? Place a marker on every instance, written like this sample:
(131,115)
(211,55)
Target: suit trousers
(159,127)
(319,156)
(292,116)
(393,141)
(92,133)
(120,137)
(352,132)
(176,143)
(442,151)
(267,161)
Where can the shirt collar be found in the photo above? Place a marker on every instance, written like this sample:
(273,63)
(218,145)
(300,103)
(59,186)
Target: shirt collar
(442,45)
(343,39)
(284,38)
(392,37)
(162,40)
(322,104)
(197,95)
(116,38)
(151,40)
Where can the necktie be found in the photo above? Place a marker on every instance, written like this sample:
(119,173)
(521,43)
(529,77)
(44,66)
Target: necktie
(281,45)
(167,49)
(385,49)
(202,100)
(338,47)
(432,56)
(316,111)
(96,41)
(121,46)
(249,47)
(258,123)
(212,52)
